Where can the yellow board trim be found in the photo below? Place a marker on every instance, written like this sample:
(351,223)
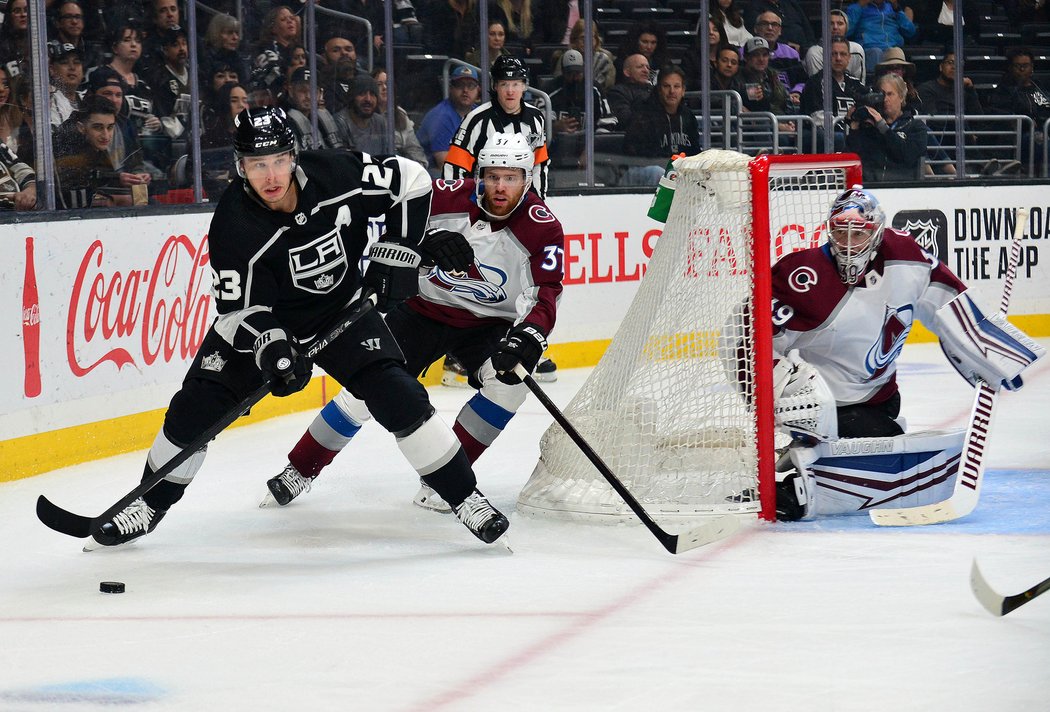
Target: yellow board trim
(42,452)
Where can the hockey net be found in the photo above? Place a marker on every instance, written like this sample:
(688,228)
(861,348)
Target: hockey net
(664,407)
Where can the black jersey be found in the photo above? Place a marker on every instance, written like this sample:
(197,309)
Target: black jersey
(299,270)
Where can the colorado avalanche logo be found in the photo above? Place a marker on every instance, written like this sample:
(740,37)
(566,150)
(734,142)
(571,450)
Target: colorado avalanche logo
(541,214)
(895,327)
(482,283)
(451,185)
(803,279)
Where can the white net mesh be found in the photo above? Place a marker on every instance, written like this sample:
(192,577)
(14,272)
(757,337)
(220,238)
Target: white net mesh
(663,407)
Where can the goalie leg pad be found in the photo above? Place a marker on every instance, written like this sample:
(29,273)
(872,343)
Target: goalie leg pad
(853,475)
(986,348)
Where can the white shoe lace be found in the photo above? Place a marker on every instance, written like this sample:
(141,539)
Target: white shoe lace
(294,481)
(135,516)
(475,511)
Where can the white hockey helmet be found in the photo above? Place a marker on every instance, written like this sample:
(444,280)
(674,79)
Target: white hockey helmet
(855,223)
(504,150)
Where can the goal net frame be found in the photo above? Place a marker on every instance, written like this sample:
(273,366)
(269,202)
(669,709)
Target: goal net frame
(559,490)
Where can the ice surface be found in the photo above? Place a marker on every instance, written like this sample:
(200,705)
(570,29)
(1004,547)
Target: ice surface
(353,599)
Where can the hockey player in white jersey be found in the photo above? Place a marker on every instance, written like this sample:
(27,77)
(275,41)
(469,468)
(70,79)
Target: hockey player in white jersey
(491,315)
(841,314)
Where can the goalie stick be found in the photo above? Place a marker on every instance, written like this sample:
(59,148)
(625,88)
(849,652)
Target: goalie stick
(715,528)
(1001,605)
(971,463)
(81,527)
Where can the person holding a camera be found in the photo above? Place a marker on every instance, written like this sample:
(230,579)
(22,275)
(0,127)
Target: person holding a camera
(890,141)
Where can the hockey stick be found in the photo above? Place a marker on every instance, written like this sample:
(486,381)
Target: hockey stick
(971,463)
(715,528)
(81,527)
(1001,605)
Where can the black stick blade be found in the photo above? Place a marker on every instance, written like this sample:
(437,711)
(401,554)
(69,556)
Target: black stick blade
(62,521)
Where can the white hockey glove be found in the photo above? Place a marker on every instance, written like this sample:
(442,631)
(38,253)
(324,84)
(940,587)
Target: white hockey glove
(803,405)
(985,348)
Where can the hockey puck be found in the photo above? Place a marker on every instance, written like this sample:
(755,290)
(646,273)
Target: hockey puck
(111,587)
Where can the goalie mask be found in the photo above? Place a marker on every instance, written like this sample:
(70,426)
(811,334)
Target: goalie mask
(854,228)
(504,151)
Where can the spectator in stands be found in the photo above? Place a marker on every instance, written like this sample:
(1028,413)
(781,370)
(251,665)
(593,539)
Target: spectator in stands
(405,142)
(813,61)
(222,44)
(632,92)
(164,16)
(890,141)
(664,127)
(727,13)
(298,105)
(23,137)
(520,20)
(338,68)
(716,39)
(440,124)
(67,73)
(759,86)
(938,95)
(126,45)
(217,126)
(649,40)
(507,112)
(10,116)
(450,26)
(555,20)
(297,60)
(497,37)
(567,99)
(125,148)
(279,36)
(69,29)
(604,61)
(893,61)
(795,30)
(214,77)
(86,175)
(727,66)
(878,25)
(14,38)
(407,28)
(17,182)
(783,58)
(1018,93)
(171,82)
(362,121)
(936,18)
(844,91)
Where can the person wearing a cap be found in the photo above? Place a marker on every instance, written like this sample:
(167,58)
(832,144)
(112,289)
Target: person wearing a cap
(567,99)
(783,58)
(298,105)
(124,149)
(361,119)
(66,71)
(760,87)
(877,25)
(439,125)
(893,61)
(813,61)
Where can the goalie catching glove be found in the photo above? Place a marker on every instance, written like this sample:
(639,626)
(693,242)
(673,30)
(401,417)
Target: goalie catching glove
(288,372)
(449,250)
(803,405)
(523,344)
(392,274)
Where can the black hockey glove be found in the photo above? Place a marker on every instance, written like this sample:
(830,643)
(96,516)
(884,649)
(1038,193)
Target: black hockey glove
(393,274)
(448,250)
(288,372)
(523,344)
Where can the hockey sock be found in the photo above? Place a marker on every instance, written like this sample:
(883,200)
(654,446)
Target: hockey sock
(478,424)
(327,435)
(169,490)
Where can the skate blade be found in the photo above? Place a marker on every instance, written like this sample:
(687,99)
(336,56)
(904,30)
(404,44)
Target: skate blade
(433,503)
(505,541)
(93,545)
(268,501)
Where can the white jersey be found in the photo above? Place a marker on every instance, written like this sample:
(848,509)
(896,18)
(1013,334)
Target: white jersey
(853,335)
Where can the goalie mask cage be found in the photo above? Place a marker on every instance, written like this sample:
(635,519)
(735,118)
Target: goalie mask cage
(664,407)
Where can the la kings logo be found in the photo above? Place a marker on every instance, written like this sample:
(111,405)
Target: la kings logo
(929,228)
(319,266)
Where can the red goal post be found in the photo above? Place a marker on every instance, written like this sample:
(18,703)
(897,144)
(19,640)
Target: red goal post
(663,407)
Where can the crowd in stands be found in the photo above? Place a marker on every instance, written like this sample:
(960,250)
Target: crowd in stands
(121,114)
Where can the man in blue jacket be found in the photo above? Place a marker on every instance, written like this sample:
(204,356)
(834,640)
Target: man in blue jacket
(877,25)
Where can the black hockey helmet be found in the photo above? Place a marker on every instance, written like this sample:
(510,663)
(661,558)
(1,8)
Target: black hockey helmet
(506,67)
(262,131)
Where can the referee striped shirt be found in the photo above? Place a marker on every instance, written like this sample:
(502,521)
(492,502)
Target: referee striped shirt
(489,119)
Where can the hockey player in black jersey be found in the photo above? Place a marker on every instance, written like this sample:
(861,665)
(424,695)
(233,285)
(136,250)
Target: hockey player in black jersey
(285,243)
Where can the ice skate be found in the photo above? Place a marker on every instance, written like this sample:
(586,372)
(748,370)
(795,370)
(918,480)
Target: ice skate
(427,498)
(481,518)
(134,521)
(285,487)
(546,371)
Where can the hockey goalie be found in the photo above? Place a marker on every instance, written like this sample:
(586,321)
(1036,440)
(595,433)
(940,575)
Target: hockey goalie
(841,314)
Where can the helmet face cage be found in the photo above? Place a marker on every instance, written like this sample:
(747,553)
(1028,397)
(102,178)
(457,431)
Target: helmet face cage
(264,131)
(854,227)
(504,151)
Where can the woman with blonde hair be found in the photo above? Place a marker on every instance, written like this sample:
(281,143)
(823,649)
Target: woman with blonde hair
(604,60)
(517,15)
